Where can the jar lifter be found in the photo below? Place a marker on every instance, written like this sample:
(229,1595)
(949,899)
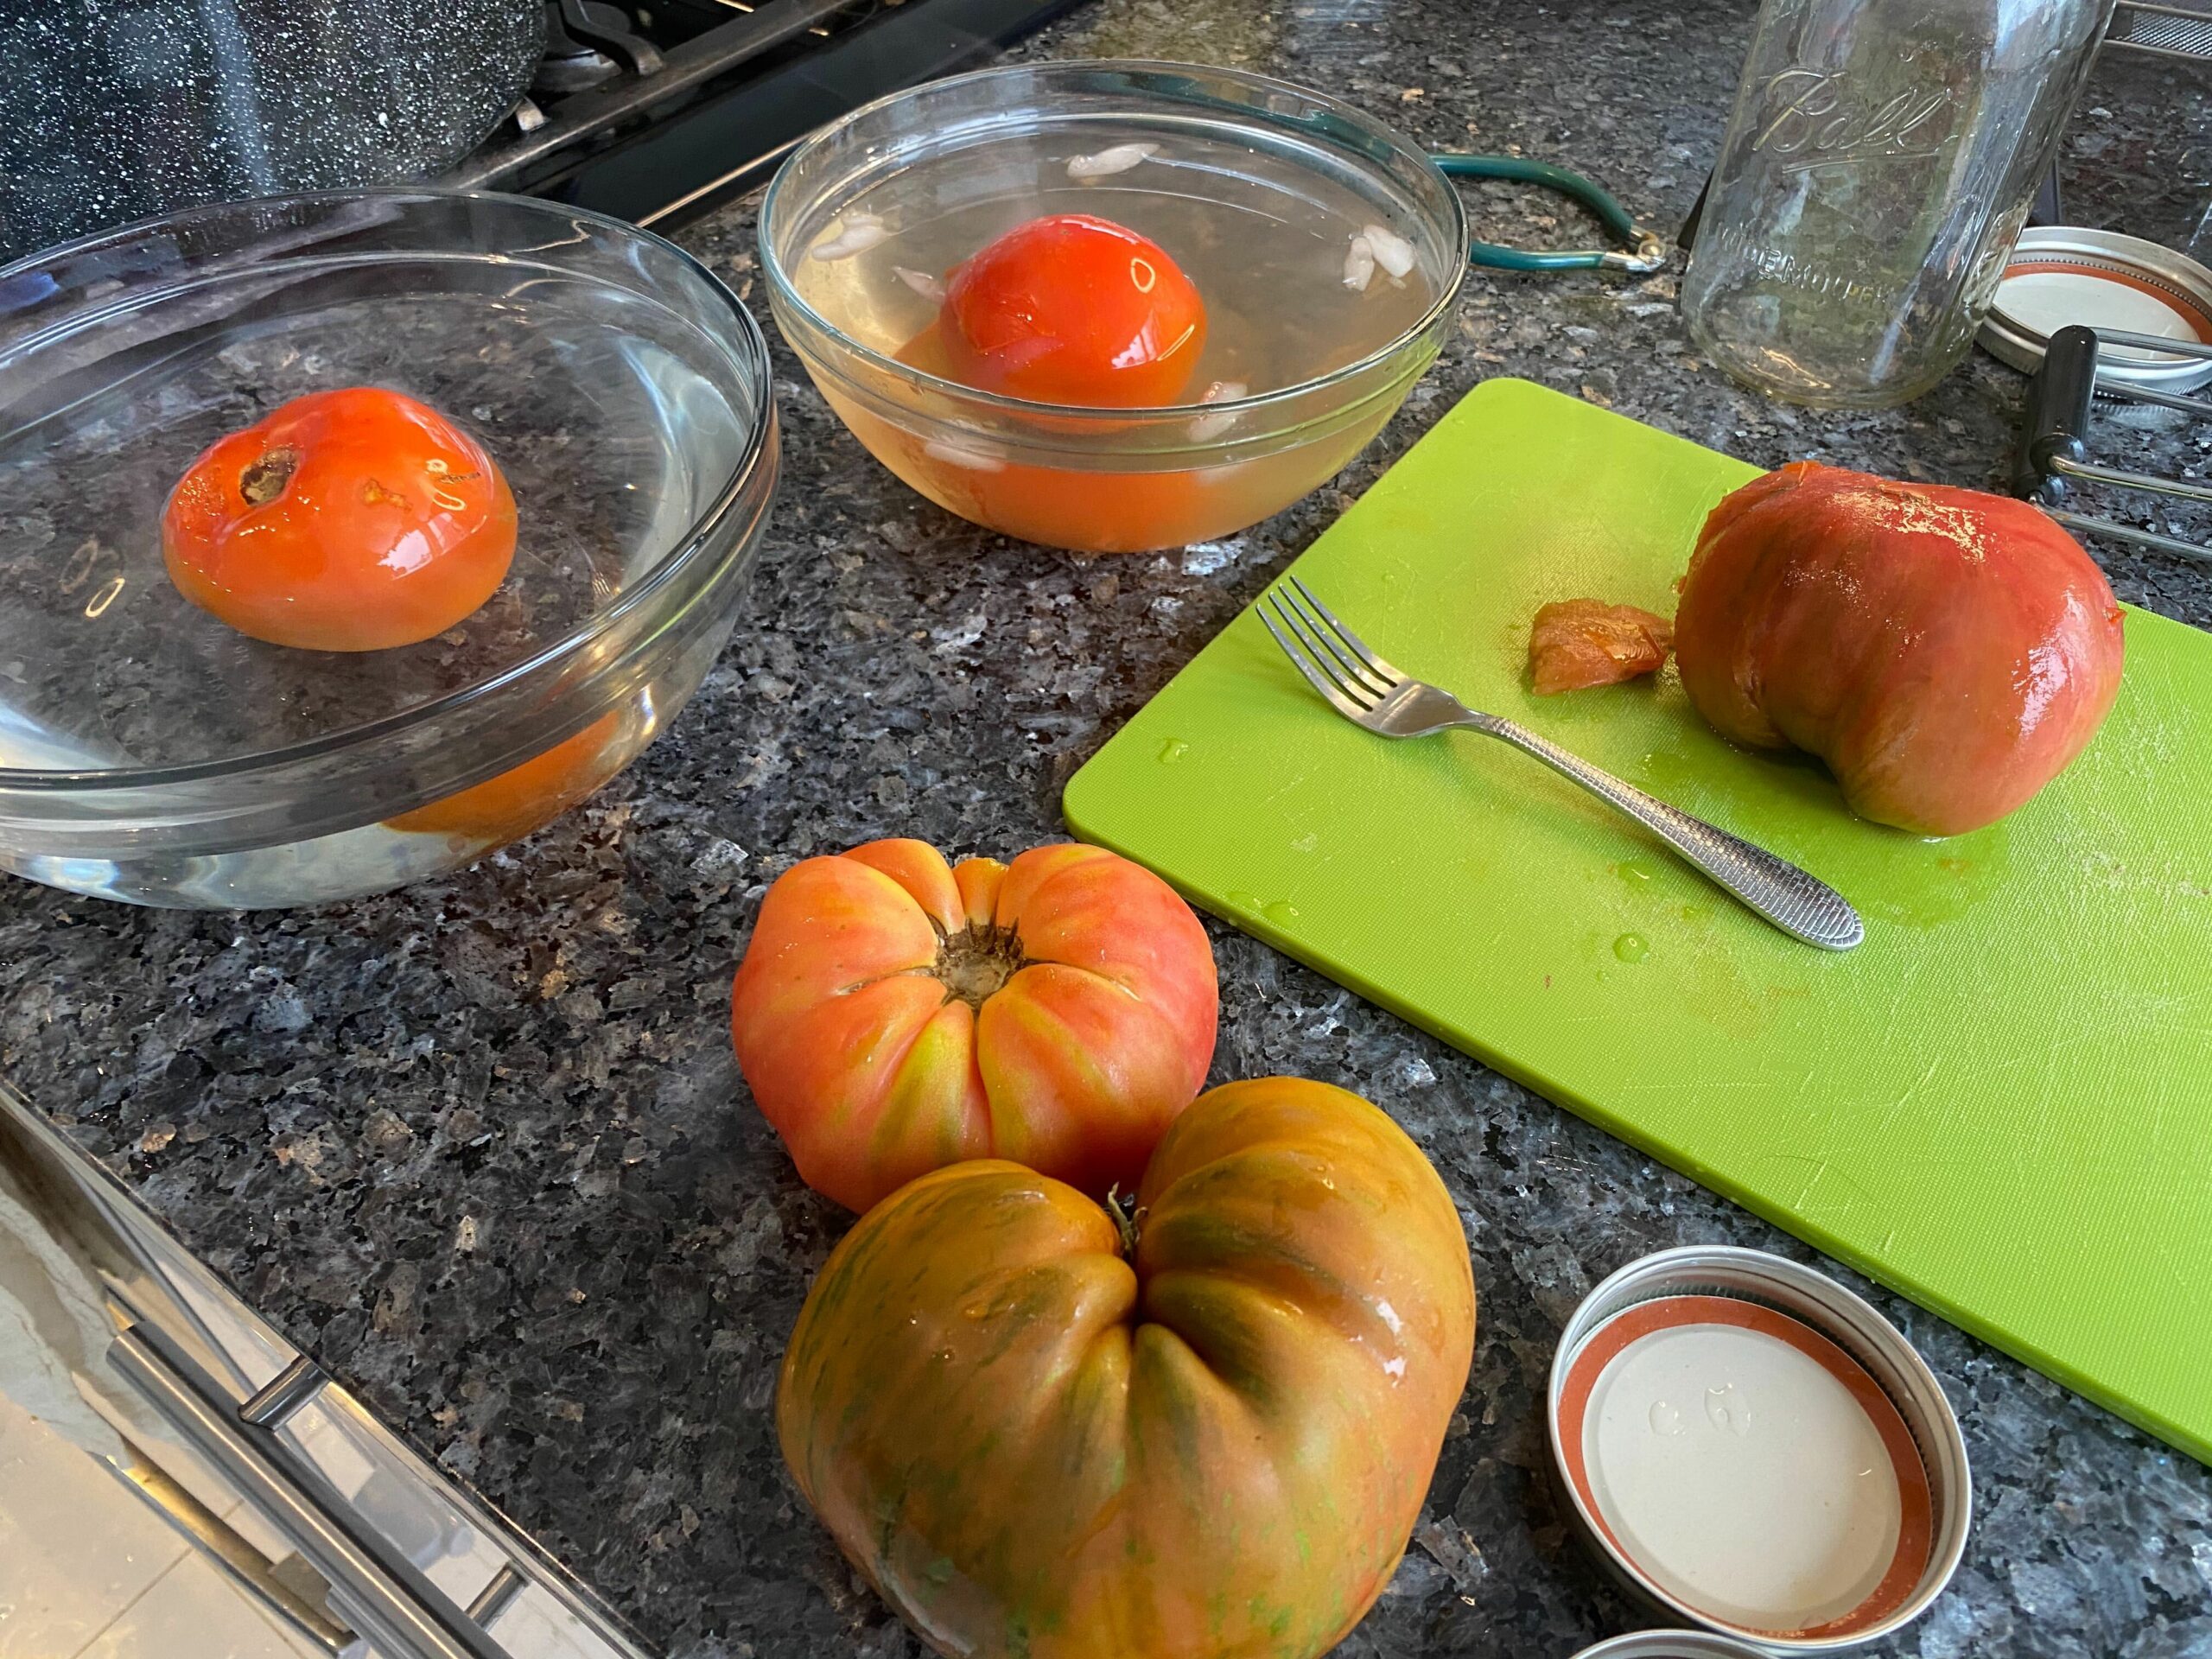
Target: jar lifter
(2054,448)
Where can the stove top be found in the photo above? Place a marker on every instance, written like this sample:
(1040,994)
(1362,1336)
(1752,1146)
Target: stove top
(657,111)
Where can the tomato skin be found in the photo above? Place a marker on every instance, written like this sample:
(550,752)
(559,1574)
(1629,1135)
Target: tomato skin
(893,1015)
(1074,309)
(356,519)
(1038,1444)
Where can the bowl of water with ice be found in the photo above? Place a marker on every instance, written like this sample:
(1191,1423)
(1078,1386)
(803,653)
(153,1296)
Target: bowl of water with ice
(150,751)
(1325,248)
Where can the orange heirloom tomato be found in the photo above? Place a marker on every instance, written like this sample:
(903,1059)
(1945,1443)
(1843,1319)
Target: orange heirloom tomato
(1072,309)
(1206,1431)
(893,1015)
(350,520)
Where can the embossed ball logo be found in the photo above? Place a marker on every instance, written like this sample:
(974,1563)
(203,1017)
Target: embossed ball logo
(1814,118)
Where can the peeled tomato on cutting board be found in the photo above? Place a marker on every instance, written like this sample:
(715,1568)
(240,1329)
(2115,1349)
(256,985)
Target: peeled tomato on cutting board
(1946,653)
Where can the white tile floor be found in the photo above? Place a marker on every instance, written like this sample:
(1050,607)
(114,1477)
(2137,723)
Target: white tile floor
(88,1571)
(193,1609)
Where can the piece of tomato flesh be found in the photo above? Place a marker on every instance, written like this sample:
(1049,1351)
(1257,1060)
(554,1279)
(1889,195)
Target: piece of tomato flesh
(1579,643)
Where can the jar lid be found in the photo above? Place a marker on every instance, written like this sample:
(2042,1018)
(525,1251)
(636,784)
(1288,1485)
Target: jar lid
(1670,1644)
(2062,275)
(1755,1452)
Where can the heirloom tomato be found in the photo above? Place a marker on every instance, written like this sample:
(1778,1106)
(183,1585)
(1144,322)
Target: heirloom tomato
(1200,1430)
(893,1015)
(1946,653)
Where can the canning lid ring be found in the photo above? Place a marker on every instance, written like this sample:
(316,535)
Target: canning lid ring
(2062,275)
(1757,1279)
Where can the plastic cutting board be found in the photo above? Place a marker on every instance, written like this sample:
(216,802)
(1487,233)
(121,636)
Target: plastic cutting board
(2000,1104)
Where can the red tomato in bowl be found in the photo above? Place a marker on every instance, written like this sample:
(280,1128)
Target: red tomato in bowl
(1072,309)
(1076,311)
(350,520)
(893,1014)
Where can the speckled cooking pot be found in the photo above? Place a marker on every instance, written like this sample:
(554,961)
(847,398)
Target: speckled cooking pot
(112,111)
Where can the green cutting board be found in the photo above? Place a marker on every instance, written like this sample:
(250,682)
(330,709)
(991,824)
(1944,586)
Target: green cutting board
(2000,1103)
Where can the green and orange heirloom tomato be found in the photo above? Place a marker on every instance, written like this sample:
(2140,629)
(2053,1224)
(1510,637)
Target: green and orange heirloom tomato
(1046,1430)
(893,1014)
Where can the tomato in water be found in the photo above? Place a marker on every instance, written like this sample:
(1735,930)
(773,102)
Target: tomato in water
(350,520)
(1072,309)
(1057,506)
(509,806)
(1075,310)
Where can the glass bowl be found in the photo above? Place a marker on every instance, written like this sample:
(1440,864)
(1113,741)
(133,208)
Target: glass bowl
(1257,187)
(149,752)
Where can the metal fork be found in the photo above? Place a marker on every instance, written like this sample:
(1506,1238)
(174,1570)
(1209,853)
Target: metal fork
(1370,692)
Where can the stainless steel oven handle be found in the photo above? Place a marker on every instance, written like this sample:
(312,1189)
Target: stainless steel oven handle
(399,1610)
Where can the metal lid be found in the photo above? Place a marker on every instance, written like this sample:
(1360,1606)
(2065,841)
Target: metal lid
(2061,275)
(1662,1374)
(1671,1644)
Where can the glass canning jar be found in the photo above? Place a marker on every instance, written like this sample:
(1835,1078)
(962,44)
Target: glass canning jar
(1880,163)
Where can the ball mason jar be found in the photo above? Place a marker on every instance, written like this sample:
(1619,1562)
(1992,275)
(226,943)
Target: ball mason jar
(1880,163)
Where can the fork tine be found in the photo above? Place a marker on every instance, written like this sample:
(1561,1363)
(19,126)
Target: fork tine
(1376,686)
(1335,698)
(1328,658)
(1390,675)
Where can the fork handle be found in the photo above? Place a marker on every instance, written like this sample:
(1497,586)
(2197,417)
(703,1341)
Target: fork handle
(1800,904)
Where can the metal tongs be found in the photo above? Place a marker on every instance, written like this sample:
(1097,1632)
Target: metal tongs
(2054,449)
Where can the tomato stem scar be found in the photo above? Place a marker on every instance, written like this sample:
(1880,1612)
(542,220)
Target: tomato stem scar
(1128,1219)
(264,480)
(975,964)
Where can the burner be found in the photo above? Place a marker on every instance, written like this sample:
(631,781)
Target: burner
(575,30)
(660,110)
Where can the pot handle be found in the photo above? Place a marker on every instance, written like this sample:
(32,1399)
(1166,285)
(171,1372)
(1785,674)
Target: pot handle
(1644,250)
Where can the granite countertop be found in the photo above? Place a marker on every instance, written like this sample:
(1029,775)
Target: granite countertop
(479,1145)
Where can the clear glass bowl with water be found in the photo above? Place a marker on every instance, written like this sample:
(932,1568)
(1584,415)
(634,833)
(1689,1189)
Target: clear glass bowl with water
(1255,188)
(149,752)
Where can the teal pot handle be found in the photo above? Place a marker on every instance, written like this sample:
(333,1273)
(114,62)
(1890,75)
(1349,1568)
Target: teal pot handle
(1643,250)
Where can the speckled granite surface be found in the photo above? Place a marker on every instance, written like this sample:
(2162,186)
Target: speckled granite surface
(481,1146)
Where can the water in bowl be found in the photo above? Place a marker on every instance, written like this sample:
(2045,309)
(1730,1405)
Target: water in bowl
(1266,234)
(1264,237)
(613,440)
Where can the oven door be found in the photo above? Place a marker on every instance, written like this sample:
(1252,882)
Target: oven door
(177,1480)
